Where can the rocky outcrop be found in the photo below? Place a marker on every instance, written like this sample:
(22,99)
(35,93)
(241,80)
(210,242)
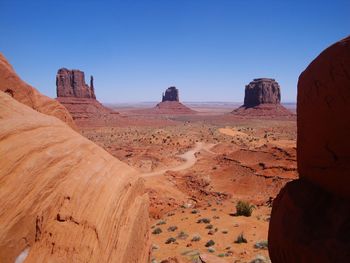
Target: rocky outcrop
(15,87)
(71,83)
(262,99)
(262,91)
(80,100)
(63,198)
(171,94)
(310,220)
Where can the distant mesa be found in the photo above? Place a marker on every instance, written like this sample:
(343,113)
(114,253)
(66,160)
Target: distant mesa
(171,94)
(80,99)
(262,98)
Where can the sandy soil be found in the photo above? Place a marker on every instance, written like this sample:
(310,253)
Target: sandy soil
(200,166)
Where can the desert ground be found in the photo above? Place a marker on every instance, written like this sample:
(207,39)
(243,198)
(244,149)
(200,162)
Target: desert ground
(196,168)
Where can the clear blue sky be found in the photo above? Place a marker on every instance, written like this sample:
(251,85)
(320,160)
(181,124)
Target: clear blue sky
(135,49)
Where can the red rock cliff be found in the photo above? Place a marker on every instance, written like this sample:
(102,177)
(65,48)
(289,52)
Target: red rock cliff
(310,220)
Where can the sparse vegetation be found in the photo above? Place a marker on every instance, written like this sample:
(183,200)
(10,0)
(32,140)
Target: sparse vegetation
(240,239)
(261,244)
(157,231)
(211,249)
(210,243)
(209,226)
(172,228)
(224,231)
(196,238)
(244,208)
(170,240)
(203,220)
(161,222)
(182,235)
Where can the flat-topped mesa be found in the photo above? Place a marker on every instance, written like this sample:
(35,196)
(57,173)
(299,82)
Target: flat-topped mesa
(71,83)
(262,91)
(171,94)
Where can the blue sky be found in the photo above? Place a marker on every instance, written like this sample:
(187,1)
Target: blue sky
(135,49)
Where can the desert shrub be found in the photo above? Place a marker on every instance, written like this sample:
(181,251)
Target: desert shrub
(240,239)
(261,244)
(210,226)
(244,208)
(221,255)
(224,231)
(155,247)
(170,240)
(157,231)
(211,249)
(182,235)
(195,211)
(196,238)
(210,243)
(161,222)
(203,220)
(172,228)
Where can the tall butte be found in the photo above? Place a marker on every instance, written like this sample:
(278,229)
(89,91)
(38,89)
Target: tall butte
(80,99)
(171,103)
(262,98)
(310,219)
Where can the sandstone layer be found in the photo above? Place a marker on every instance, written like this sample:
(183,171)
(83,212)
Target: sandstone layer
(262,98)
(14,86)
(63,198)
(310,216)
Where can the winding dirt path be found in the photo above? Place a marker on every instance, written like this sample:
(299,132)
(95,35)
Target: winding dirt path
(189,157)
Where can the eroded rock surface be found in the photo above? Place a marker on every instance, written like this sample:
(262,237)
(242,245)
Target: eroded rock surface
(63,198)
(310,220)
(14,86)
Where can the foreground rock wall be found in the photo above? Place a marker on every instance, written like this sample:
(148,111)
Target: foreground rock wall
(63,198)
(11,83)
(310,220)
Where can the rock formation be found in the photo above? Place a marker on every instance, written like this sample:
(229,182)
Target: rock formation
(170,104)
(80,100)
(310,219)
(12,84)
(262,91)
(171,94)
(262,98)
(71,83)
(63,198)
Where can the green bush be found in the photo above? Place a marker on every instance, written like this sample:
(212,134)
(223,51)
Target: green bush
(240,239)
(244,208)
(210,243)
